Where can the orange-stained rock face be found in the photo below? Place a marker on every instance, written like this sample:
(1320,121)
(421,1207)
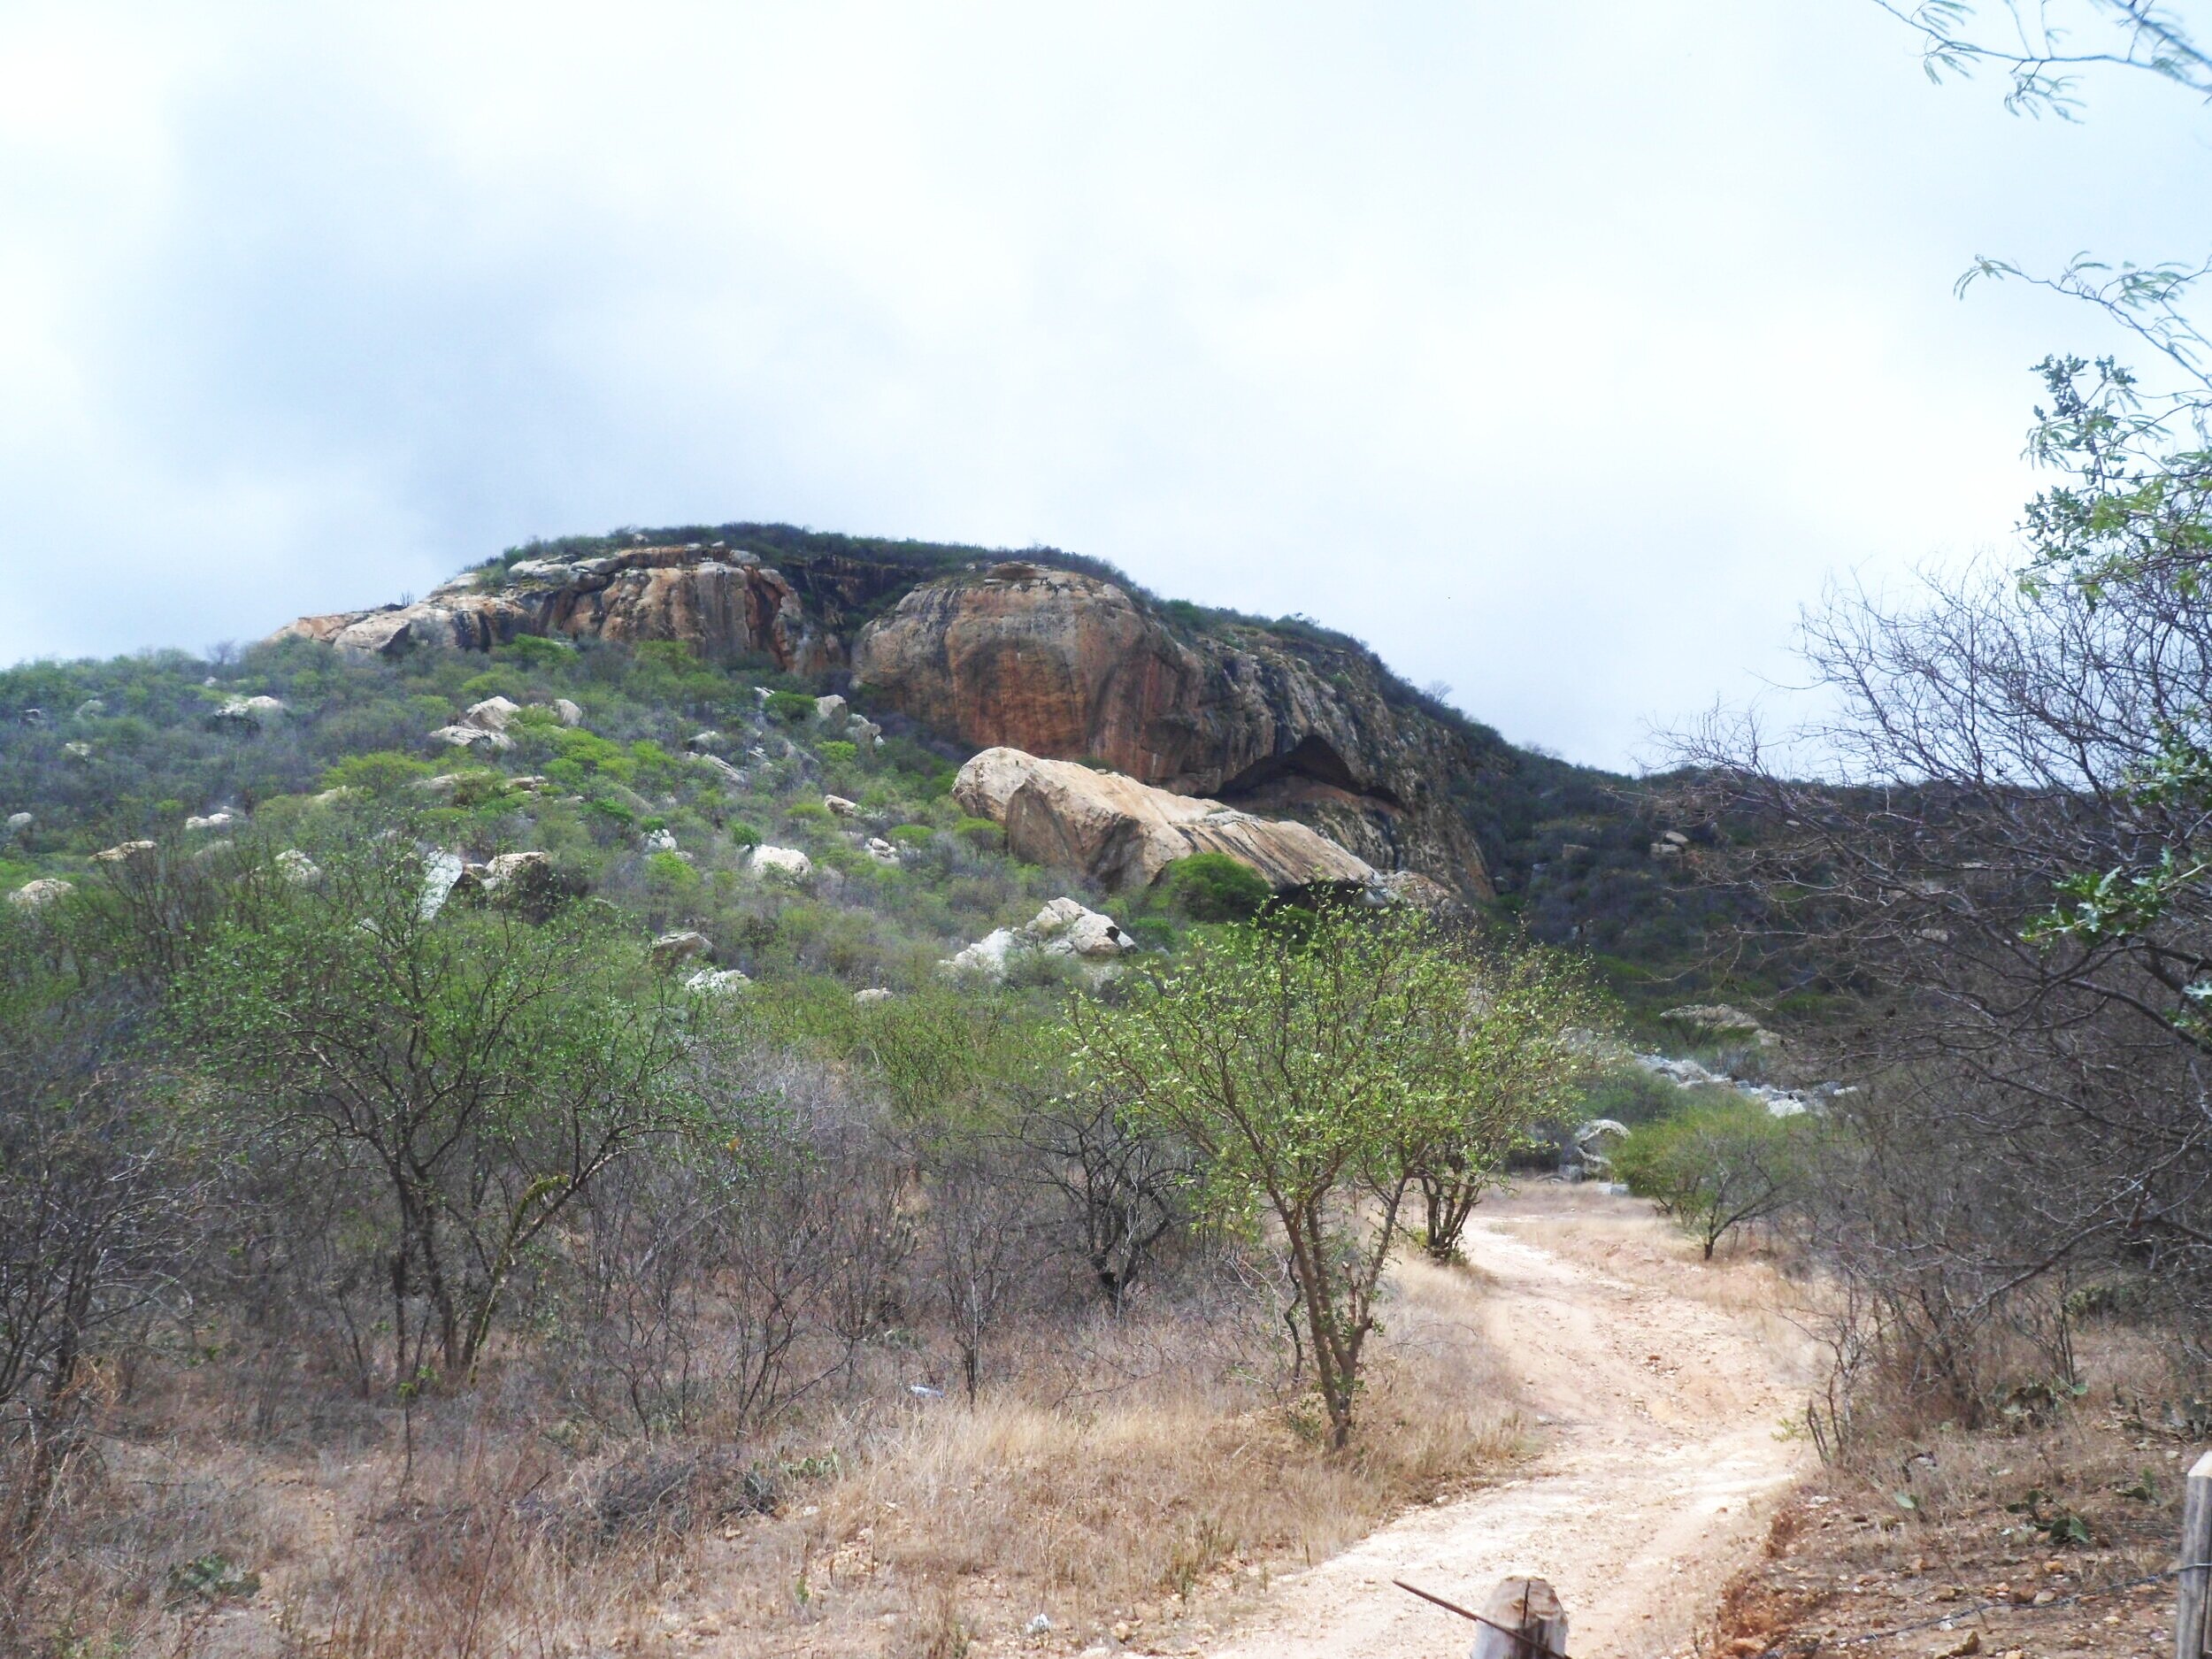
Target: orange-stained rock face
(1071,667)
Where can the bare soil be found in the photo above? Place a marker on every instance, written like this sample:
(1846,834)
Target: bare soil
(1662,1388)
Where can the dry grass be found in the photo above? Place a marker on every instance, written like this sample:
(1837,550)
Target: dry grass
(1147,1472)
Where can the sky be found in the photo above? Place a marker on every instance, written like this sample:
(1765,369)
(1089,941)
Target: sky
(1561,351)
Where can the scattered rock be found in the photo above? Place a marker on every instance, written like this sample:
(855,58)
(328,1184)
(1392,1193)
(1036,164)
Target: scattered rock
(985,959)
(35,894)
(211,821)
(494,714)
(716,982)
(77,752)
(730,773)
(882,851)
(782,862)
(472,737)
(660,840)
(571,715)
(247,712)
(91,707)
(1066,927)
(33,716)
(18,822)
(870,997)
(866,734)
(123,852)
(841,807)
(297,868)
(684,946)
(829,712)
(1123,834)
(442,872)
(699,741)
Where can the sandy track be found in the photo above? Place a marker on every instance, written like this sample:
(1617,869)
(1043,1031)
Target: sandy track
(1661,1415)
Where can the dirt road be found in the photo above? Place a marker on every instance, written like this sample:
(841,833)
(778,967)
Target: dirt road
(1658,1391)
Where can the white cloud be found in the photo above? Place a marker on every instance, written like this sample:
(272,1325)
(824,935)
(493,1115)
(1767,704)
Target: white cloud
(1558,351)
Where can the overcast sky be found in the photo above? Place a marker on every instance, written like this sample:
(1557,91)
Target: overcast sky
(1560,351)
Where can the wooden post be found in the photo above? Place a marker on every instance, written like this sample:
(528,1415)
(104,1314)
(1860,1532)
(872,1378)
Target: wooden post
(2196,1551)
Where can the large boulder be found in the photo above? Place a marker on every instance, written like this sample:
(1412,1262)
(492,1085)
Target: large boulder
(1123,834)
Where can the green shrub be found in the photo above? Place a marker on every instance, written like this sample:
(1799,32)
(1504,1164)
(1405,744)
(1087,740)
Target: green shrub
(535,650)
(793,708)
(380,773)
(837,752)
(742,834)
(1214,888)
(1718,1165)
(921,835)
(808,812)
(980,834)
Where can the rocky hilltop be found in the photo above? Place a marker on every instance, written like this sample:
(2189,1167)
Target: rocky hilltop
(1023,653)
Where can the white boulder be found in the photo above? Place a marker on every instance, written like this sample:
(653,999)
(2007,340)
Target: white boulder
(472,737)
(1065,927)
(985,959)
(684,945)
(35,894)
(211,821)
(716,982)
(786,863)
(301,871)
(870,997)
(492,715)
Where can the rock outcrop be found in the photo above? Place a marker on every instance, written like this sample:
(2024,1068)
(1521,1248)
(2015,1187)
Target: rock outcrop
(1280,721)
(1123,834)
(1070,667)
(720,602)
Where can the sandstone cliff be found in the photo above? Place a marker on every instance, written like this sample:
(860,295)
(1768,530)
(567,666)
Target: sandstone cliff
(1072,667)
(1280,723)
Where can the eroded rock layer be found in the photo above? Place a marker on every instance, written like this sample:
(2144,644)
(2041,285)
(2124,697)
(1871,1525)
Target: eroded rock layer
(1071,667)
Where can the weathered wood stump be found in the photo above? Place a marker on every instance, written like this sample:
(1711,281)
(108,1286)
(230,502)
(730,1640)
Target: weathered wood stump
(1525,1622)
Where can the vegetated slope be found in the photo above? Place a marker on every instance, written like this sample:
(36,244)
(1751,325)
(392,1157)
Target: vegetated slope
(1284,717)
(1063,655)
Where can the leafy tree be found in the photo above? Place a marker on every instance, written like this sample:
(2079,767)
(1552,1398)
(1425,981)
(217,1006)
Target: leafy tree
(479,1071)
(1299,1061)
(1716,1167)
(1525,1058)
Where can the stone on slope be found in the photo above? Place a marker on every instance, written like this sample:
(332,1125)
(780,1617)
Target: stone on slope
(679,946)
(472,737)
(716,982)
(786,863)
(1123,834)
(1067,927)
(35,894)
